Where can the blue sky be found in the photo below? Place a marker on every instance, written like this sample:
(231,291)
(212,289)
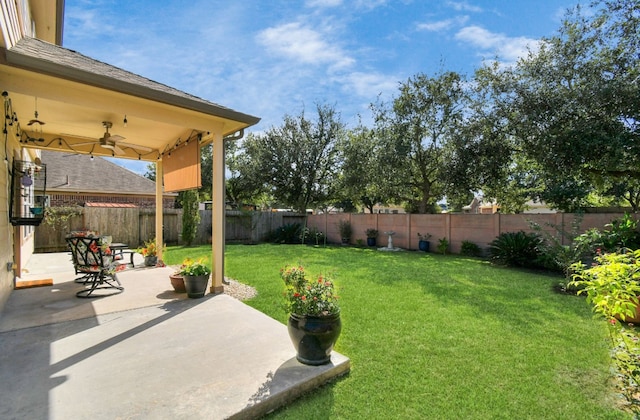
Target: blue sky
(269,58)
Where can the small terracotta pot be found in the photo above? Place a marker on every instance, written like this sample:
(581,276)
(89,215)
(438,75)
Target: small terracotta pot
(177,281)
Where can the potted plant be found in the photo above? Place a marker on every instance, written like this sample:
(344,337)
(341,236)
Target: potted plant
(423,242)
(196,277)
(177,282)
(372,234)
(314,315)
(150,252)
(345,231)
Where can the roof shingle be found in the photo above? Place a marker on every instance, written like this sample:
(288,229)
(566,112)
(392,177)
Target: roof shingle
(79,173)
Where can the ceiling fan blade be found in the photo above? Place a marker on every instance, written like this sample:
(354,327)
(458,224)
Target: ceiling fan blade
(136,147)
(115,137)
(118,150)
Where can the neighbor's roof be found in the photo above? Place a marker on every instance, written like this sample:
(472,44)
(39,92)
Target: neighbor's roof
(68,172)
(43,57)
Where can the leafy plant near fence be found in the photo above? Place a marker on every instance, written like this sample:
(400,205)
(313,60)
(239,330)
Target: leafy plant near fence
(519,249)
(190,216)
(311,236)
(287,234)
(554,255)
(443,245)
(470,249)
(612,286)
(620,233)
(58,217)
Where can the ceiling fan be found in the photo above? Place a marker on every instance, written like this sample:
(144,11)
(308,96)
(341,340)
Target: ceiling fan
(113,142)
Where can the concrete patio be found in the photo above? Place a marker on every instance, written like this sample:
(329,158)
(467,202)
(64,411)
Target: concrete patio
(146,353)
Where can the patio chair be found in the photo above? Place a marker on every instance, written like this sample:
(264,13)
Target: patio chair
(93,258)
(85,277)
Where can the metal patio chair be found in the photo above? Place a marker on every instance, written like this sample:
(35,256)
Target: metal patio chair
(93,258)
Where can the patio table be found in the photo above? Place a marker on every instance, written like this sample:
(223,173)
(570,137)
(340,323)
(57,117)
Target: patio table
(118,249)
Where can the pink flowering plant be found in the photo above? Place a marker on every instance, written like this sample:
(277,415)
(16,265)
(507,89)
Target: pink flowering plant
(308,297)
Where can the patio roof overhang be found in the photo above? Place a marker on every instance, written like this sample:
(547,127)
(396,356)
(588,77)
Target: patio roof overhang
(74,94)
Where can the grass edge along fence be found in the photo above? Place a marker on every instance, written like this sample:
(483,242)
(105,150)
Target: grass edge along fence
(480,229)
(137,225)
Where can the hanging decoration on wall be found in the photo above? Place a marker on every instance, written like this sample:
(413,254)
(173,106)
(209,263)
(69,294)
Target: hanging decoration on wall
(28,193)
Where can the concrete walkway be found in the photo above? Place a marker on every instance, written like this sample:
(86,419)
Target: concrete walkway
(145,353)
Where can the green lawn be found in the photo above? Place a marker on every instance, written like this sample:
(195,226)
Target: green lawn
(433,336)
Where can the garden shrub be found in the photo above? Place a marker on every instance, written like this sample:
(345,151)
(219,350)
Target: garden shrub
(287,234)
(620,234)
(443,245)
(190,216)
(470,249)
(612,286)
(519,249)
(553,254)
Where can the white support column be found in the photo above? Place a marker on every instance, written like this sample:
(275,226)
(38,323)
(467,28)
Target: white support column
(159,208)
(217,214)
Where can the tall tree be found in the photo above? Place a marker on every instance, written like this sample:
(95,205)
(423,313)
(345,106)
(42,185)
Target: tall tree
(241,185)
(363,179)
(298,161)
(572,107)
(417,132)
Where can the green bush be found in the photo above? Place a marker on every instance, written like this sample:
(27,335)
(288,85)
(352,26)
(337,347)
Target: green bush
(443,245)
(287,234)
(519,249)
(190,216)
(470,249)
(612,286)
(345,230)
(620,234)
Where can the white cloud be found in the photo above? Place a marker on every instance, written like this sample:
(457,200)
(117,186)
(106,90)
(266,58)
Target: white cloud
(442,25)
(368,85)
(304,44)
(464,6)
(508,49)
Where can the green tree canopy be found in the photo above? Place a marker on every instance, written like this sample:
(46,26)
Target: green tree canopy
(299,161)
(417,133)
(569,110)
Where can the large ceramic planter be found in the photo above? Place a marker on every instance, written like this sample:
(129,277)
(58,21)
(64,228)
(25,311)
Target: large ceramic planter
(313,337)
(371,241)
(634,319)
(150,260)
(423,246)
(177,281)
(196,286)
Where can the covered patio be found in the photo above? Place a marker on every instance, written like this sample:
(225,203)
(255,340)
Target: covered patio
(58,99)
(145,353)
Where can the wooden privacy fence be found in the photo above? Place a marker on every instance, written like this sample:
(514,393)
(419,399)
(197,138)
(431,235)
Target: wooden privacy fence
(480,229)
(133,226)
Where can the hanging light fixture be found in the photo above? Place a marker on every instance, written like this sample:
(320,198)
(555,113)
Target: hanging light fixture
(35,119)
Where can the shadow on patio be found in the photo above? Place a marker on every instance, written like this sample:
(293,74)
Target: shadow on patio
(145,353)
